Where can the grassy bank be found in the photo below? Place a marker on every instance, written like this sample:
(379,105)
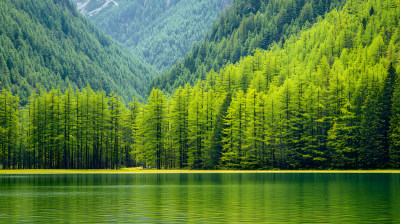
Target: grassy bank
(138,171)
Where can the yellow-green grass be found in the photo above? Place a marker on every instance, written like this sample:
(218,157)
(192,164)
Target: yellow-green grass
(140,170)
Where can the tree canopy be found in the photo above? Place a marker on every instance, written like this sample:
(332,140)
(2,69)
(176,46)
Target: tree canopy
(242,28)
(48,43)
(160,32)
(325,97)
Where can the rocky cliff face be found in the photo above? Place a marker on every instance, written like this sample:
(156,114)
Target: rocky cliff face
(91,7)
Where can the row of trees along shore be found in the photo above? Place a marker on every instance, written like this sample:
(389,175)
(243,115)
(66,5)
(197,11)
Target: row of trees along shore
(328,97)
(297,126)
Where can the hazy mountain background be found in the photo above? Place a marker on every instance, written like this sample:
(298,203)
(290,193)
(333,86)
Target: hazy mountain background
(159,31)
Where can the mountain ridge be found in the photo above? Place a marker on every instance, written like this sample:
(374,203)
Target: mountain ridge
(326,97)
(58,46)
(244,27)
(159,32)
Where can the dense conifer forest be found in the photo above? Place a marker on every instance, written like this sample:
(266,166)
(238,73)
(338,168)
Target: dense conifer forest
(48,43)
(244,27)
(159,31)
(325,94)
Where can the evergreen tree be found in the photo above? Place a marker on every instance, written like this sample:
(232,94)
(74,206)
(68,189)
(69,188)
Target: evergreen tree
(154,129)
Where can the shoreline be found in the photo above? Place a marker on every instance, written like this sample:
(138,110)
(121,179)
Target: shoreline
(154,171)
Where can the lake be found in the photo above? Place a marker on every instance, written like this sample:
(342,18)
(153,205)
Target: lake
(200,198)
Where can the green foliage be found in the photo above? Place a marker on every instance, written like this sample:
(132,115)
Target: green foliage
(313,102)
(9,130)
(76,129)
(159,31)
(179,124)
(244,27)
(48,43)
(155,130)
(395,129)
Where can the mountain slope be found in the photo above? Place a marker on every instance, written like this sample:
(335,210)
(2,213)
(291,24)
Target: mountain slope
(48,43)
(326,98)
(159,31)
(245,26)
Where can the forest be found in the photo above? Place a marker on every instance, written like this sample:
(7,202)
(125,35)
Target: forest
(160,32)
(48,43)
(325,97)
(244,27)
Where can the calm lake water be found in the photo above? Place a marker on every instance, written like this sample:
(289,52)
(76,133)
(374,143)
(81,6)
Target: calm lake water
(200,198)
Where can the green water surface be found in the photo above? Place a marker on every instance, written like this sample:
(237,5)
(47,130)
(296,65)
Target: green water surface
(200,198)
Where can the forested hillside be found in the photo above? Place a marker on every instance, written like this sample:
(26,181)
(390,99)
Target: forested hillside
(246,26)
(327,97)
(159,31)
(48,43)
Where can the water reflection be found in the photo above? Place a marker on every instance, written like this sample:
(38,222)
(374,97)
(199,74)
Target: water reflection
(200,198)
